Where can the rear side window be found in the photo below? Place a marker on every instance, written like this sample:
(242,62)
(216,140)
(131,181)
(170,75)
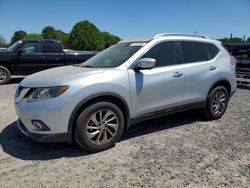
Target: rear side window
(51,47)
(194,51)
(212,50)
(165,53)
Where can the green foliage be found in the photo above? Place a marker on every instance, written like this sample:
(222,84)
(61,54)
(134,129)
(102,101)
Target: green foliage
(62,37)
(248,40)
(33,36)
(49,33)
(85,36)
(18,35)
(224,40)
(109,39)
(234,39)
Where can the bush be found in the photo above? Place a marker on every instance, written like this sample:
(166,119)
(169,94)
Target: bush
(85,36)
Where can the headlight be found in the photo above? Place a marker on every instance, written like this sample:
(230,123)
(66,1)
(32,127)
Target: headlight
(46,93)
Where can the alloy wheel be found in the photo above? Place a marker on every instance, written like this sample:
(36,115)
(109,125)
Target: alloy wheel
(219,102)
(3,75)
(102,127)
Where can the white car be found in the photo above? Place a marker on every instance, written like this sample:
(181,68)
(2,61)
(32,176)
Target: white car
(129,82)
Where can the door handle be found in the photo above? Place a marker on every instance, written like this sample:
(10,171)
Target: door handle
(211,68)
(177,74)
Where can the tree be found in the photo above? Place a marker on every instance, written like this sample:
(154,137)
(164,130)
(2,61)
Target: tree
(235,39)
(62,37)
(49,32)
(224,40)
(2,42)
(18,35)
(33,36)
(85,36)
(109,39)
(248,40)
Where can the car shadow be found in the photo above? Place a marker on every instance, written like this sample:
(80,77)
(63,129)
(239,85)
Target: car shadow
(159,124)
(19,146)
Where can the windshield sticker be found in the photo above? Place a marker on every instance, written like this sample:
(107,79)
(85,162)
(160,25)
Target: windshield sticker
(138,44)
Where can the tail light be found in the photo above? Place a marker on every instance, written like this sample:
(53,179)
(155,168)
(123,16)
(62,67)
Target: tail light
(233,61)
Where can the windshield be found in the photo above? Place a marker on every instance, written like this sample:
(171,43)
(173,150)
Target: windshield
(113,56)
(14,46)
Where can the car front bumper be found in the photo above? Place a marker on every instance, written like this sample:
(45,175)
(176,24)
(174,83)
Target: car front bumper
(53,113)
(43,138)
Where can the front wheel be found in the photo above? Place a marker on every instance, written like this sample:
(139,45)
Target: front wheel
(5,75)
(217,101)
(99,126)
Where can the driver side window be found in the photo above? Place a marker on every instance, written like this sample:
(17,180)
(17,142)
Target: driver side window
(165,54)
(31,47)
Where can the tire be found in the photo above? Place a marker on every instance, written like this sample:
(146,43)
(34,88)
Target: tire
(5,75)
(216,104)
(94,136)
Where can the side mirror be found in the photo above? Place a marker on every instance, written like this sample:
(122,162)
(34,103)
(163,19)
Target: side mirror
(20,51)
(145,63)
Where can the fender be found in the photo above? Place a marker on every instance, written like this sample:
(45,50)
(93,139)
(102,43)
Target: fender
(218,83)
(88,99)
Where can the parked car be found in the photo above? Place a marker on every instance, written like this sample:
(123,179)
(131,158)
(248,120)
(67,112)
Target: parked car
(29,56)
(130,82)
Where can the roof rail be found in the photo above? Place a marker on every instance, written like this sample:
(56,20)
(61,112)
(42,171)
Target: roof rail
(178,34)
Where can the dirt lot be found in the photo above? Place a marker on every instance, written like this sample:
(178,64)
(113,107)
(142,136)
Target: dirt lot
(175,151)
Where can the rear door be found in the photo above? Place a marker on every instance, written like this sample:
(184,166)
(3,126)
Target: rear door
(161,87)
(30,60)
(200,69)
(53,53)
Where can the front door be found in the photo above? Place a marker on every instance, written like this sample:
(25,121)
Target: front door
(30,59)
(159,88)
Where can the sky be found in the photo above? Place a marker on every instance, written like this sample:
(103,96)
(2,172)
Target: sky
(129,18)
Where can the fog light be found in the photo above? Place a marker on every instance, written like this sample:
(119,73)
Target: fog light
(37,125)
(40,125)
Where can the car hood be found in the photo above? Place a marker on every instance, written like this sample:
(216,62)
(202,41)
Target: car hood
(59,76)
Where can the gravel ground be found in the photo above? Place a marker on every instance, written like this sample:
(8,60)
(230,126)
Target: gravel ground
(181,150)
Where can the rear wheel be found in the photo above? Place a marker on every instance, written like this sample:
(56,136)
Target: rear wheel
(5,75)
(216,103)
(99,126)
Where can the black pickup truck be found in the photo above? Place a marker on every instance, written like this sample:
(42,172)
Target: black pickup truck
(29,56)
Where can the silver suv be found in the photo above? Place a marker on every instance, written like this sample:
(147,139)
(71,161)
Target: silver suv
(129,82)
